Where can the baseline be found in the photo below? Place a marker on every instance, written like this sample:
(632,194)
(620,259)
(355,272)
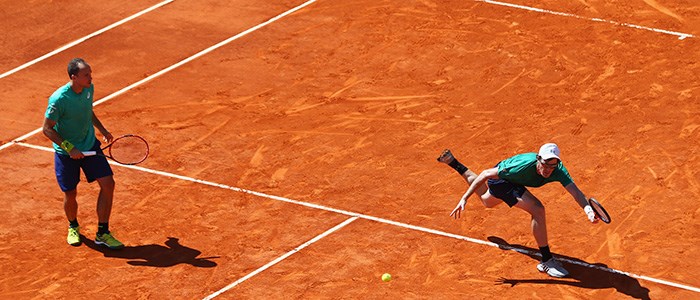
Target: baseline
(385,221)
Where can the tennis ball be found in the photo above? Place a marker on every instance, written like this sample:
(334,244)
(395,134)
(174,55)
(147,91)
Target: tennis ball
(386,277)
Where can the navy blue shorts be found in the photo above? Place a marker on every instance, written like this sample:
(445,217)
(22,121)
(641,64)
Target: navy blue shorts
(68,169)
(505,190)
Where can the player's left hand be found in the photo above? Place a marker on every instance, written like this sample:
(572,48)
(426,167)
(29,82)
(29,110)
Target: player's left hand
(457,212)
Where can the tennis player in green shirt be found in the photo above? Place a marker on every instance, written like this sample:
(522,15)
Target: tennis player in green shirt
(508,181)
(70,123)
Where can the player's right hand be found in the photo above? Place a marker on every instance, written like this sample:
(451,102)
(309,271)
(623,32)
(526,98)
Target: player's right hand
(590,214)
(76,154)
(457,212)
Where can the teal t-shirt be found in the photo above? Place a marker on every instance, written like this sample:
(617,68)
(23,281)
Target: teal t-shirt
(73,115)
(522,169)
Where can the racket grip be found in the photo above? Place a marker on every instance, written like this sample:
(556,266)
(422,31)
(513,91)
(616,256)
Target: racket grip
(89,153)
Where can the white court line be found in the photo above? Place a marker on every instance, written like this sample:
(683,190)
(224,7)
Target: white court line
(270,264)
(168,69)
(89,36)
(680,35)
(385,221)
(352,214)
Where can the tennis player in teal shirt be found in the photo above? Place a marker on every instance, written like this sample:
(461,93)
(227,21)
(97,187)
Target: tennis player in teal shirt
(69,122)
(508,181)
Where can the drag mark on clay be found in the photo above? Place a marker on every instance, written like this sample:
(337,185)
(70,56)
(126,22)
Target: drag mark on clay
(692,179)
(588,6)
(483,129)
(385,119)
(663,10)
(579,128)
(306,132)
(382,98)
(299,108)
(688,130)
(509,82)
(352,81)
(394,103)
(653,173)
(431,138)
(199,140)
(257,158)
(614,245)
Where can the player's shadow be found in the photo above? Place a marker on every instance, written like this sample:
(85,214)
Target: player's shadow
(156,255)
(584,276)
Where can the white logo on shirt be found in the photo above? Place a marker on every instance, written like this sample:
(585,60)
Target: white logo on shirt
(88,95)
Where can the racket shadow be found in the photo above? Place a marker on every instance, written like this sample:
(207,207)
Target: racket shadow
(153,255)
(583,277)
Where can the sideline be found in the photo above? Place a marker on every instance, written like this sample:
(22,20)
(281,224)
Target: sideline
(681,36)
(177,65)
(80,40)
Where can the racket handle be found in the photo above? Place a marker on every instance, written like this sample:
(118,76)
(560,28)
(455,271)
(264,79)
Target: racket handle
(89,153)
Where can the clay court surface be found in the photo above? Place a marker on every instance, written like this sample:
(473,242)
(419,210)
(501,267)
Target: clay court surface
(334,115)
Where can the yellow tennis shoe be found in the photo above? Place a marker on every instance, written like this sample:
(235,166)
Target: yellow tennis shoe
(108,240)
(73,236)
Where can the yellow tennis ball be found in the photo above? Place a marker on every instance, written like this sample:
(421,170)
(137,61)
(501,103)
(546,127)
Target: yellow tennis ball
(386,277)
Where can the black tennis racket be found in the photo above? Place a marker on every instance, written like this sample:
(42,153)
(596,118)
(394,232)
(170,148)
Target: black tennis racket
(127,149)
(599,210)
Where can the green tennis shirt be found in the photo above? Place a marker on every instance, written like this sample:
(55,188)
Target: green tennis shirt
(522,169)
(73,115)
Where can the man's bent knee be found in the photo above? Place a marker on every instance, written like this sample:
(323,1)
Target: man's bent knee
(490,201)
(106,182)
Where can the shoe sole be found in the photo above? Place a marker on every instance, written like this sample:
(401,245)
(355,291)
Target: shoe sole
(108,246)
(444,153)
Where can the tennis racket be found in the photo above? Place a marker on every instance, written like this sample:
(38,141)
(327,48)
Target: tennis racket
(127,150)
(599,210)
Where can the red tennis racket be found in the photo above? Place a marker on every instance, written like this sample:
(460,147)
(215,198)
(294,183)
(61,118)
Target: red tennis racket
(127,149)
(599,210)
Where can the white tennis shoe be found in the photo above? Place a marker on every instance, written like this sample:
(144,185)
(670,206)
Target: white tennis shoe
(553,268)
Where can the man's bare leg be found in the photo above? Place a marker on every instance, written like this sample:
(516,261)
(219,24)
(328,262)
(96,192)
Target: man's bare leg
(469,176)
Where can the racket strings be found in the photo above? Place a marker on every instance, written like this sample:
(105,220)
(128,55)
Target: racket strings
(601,212)
(129,150)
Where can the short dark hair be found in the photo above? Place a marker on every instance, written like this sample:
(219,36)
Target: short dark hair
(73,66)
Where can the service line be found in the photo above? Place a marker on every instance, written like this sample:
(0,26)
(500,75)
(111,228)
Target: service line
(385,221)
(270,264)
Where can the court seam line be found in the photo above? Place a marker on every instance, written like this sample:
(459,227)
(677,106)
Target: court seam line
(385,221)
(284,256)
(176,65)
(680,35)
(87,37)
